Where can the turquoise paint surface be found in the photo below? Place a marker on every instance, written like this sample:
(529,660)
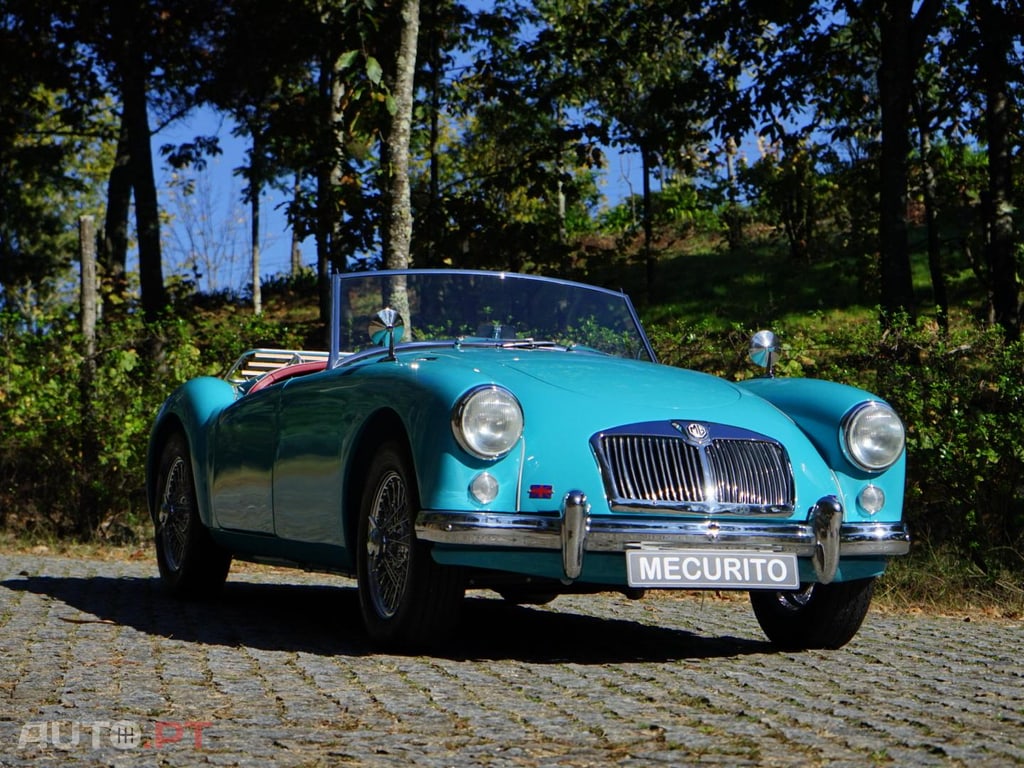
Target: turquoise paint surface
(276,463)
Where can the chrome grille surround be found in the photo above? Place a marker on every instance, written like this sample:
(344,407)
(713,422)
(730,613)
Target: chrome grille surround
(695,468)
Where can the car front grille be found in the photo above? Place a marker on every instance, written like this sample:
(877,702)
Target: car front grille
(734,471)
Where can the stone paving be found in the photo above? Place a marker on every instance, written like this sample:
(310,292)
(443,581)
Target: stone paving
(97,667)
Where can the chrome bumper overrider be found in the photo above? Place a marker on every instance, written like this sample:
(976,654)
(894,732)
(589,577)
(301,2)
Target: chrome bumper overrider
(823,537)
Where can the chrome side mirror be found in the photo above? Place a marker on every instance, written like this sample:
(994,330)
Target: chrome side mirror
(387,328)
(765,351)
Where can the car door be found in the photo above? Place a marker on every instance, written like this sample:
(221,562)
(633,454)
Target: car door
(315,431)
(245,442)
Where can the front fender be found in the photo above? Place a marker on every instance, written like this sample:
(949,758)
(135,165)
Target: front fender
(192,407)
(817,407)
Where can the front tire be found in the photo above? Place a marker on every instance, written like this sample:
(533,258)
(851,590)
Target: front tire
(405,597)
(190,562)
(817,616)
(526,596)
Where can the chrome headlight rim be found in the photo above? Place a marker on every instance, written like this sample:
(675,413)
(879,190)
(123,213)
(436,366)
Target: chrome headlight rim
(855,437)
(494,446)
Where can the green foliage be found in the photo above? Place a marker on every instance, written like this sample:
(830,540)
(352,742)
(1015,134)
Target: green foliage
(678,207)
(503,177)
(46,413)
(962,398)
(64,439)
(679,204)
(50,174)
(791,194)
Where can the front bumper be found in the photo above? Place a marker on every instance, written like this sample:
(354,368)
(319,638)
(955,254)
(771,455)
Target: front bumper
(824,537)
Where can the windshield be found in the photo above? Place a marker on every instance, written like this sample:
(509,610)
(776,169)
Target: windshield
(487,308)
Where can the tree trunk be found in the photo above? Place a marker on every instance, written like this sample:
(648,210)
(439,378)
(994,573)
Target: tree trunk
(996,44)
(88,503)
(336,170)
(147,210)
(733,219)
(935,269)
(433,213)
(895,80)
(114,254)
(324,192)
(296,251)
(650,261)
(255,183)
(398,239)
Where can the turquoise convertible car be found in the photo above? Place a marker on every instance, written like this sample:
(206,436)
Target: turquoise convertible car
(516,433)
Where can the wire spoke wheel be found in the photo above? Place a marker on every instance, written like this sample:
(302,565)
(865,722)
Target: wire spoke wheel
(406,598)
(794,601)
(388,545)
(191,563)
(176,511)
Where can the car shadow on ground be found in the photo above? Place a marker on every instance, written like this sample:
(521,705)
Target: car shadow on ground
(325,620)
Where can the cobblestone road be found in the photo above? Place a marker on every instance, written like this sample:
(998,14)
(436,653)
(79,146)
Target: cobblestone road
(98,668)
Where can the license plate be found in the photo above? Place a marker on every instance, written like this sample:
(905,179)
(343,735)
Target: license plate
(704,569)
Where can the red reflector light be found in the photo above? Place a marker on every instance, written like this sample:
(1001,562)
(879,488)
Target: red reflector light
(541,491)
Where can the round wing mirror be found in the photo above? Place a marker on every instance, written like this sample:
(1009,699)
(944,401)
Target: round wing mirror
(765,350)
(387,328)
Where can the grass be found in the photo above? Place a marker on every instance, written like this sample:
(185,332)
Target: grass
(943,582)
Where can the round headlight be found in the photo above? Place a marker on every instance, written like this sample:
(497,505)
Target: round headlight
(873,436)
(487,422)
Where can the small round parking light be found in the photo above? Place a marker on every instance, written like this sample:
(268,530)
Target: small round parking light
(484,488)
(871,499)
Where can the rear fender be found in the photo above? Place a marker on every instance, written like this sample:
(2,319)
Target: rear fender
(192,409)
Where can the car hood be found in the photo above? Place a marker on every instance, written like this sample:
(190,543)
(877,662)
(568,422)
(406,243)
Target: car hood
(567,394)
(602,391)
(607,378)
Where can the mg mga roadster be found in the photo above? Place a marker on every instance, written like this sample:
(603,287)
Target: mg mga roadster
(516,433)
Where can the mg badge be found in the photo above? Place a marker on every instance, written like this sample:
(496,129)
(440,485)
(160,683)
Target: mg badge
(696,431)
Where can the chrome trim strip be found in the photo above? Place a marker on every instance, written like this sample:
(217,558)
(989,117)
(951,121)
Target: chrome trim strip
(617,533)
(700,508)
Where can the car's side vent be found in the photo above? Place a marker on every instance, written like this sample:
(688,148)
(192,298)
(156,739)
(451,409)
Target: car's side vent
(695,467)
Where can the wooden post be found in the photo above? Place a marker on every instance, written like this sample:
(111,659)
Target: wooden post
(87,251)
(88,502)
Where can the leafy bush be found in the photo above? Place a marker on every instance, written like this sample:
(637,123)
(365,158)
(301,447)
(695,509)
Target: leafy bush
(678,206)
(72,446)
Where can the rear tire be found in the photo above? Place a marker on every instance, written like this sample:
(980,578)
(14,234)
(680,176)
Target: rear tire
(191,564)
(817,616)
(405,597)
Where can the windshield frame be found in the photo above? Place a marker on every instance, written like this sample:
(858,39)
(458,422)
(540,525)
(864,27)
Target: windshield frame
(339,279)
